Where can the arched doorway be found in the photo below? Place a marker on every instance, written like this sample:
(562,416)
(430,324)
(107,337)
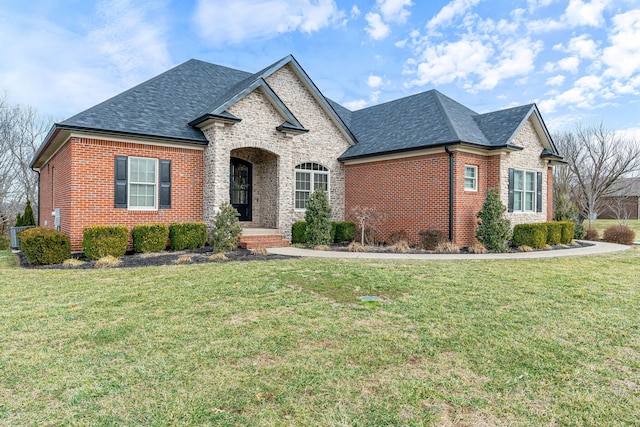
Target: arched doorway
(240,188)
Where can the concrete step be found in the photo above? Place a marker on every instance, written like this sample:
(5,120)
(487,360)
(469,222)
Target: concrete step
(262,241)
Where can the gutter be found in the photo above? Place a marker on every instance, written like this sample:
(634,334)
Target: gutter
(38,172)
(450,153)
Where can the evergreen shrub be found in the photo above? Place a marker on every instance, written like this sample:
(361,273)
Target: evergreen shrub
(299,232)
(100,241)
(318,218)
(554,233)
(345,231)
(567,232)
(151,237)
(187,235)
(533,235)
(44,246)
(494,228)
(226,229)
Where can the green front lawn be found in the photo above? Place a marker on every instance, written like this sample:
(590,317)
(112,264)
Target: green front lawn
(541,342)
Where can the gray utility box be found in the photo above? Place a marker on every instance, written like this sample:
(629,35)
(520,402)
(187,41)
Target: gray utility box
(14,235)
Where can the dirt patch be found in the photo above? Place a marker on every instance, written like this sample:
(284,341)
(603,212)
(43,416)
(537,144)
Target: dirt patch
(197,256)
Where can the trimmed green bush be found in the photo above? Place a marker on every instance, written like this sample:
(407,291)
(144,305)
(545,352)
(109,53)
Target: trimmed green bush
(44,246)
(430,239)
(187,235)
(150,237)
(226,229)
(567,232)
(620,234)
(554,233)
(5,243)
(345,231)
(533,235)
(579,231)
(103,240)
(318,218)
(299,232)
(494,228)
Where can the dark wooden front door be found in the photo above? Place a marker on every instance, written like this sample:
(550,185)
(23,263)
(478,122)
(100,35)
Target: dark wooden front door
(240,187)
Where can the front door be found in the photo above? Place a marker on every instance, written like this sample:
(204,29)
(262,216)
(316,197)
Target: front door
(240,187)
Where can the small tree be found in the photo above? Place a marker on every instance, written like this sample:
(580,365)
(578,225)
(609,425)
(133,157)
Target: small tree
(226,229)
(494,228)
(27,217)
(368,220)
(318,218)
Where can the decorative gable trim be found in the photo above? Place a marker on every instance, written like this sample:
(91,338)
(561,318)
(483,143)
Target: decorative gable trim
(541,131)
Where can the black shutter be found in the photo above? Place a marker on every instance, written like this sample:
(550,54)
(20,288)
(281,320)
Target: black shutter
(510,204)
(120,175)
(539,192)
(165,184)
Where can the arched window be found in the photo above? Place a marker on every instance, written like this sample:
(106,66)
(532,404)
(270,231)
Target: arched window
(310,177)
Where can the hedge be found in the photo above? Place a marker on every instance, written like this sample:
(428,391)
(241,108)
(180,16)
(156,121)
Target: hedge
(533,235)
(187,235)
(44,246)
(299,232)
(430,239)
(103,240)
(150,237)
(345,231)
(567,233)
(554,233)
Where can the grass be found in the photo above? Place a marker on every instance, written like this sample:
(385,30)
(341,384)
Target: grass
(602,224)
(540,342)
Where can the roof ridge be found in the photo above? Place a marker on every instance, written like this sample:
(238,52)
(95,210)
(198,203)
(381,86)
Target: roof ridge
(437,94)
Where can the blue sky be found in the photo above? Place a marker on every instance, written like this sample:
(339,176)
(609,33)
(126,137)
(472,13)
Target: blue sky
(579,60)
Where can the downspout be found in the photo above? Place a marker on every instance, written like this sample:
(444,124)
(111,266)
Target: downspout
(446,148)
(38,172)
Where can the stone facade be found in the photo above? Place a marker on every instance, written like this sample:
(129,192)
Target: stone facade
(527,159)
(274,154)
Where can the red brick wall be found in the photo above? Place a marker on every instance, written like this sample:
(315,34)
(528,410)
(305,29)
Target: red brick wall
(55,189)
(413,193)
(91,186)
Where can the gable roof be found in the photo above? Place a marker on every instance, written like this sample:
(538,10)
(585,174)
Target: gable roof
(431,119)
(625,187)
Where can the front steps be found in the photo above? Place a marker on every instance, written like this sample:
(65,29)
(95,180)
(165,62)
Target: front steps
(252,238)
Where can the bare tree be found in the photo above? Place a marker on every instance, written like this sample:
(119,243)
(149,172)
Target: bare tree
(21,132)
(596,159)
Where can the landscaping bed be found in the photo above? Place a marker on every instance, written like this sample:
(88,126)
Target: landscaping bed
(197,256)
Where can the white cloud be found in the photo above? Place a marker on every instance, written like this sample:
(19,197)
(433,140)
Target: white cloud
(355,12)
(570,63)
(555,80)
(377,29)
(374,81)
(577,14)
(401,43)
(584,47)
(394,10)
(623,55)
(355,105)
(132,38)
(375,95)
(219,21)
(448,13)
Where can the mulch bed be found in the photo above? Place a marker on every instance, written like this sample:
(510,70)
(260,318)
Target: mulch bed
(198,256)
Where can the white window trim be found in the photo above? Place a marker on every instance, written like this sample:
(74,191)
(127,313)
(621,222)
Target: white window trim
(156,185)
(524,191)
(326,172)
(475,177)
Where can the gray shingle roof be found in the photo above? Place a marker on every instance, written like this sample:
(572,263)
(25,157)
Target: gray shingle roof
(164,105)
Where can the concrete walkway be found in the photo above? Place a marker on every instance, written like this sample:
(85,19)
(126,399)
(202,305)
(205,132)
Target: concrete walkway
(597,249)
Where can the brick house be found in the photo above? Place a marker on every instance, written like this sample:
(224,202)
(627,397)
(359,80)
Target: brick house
(175,148)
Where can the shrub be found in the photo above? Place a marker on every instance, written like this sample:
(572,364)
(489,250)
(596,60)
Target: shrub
(619,234)
(299,232)
(477,248)
(107,261)
(219,256)
(567,232)
(345,231)
(150,237)
(431,238)
(318,218)
(27,218)
(397,236)
(184,259)
(187,235)
(494,228)
(401,246)
(226,229)
(355,247)
(100,241)
(448,248)
(534,235)
(5,243)
(579,231)
(44,246)
(554,233)
(592,234)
